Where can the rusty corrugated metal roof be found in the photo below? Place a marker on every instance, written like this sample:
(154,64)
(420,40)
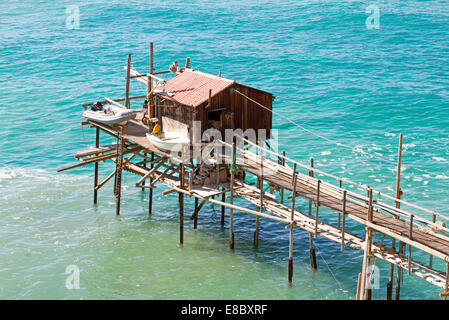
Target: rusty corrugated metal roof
(191,87)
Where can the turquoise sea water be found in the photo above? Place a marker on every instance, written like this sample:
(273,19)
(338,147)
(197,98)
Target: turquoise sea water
(360,87)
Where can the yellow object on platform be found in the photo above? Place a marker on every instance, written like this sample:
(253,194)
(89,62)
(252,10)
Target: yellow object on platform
(156,128)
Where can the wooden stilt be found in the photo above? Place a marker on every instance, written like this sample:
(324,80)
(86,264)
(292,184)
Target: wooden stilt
(282,189)
(344,221)
(431,257)
(399,274)
(339,213)
(223,199)
(312,253)
(367,249)
(398,205)
(317,206)
(231,200)
(181,201)
(260,185)
(144,165)
(195,218)
(97,144)
(118,174)
(292,219)
(150,200)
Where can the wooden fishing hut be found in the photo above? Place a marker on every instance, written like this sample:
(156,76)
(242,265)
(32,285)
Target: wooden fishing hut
(211,101)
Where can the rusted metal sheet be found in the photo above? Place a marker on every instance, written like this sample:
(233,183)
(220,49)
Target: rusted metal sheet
(191,88)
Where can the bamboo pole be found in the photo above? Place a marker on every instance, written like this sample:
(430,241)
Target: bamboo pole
(128,70)
(97,144)
(292,219)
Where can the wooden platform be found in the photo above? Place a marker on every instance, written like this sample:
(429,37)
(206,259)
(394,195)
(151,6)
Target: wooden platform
(168,171)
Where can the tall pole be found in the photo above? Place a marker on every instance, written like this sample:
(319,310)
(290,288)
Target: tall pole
(398,205)
(97,144)
(150,200)
(312,253)
(292,220)
(118,174)
(231,200)
(181,200)
(128,71)
(150,83)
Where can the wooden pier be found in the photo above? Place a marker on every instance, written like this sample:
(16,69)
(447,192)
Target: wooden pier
(398,224)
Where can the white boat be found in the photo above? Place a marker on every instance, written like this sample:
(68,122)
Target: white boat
(110,115)
(168,141)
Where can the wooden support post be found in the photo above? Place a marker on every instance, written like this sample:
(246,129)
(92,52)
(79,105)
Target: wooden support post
(260,180)
(282,189)
(431,257)
(145,166)
(128,70)
(292,219)
(410,247)
(223,199)
(258,208)
(344,221)
(393,241)
(339,213)
(150,200)
(311,175)
(181,200)
(195,218)
(187,62)
(398,275)
(317,206)
(313,263)
(97,144)
(118,174)
(231,210)
(367,248)
(398,205)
